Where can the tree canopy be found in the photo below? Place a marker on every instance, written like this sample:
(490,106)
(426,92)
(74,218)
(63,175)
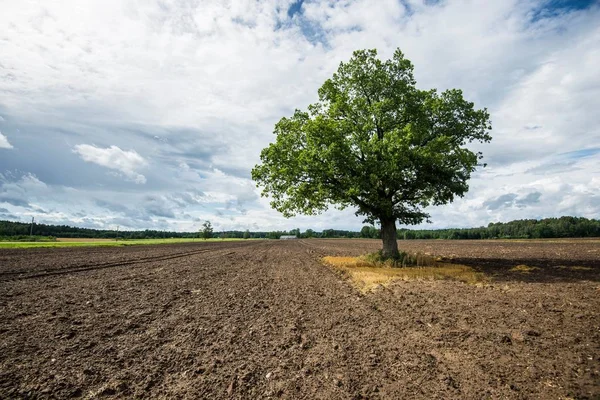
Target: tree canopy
(375,142)
(207,230)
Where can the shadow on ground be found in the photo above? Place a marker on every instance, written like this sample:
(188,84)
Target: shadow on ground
(541,270)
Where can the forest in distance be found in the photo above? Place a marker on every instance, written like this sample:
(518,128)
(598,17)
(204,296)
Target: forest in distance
(563,227)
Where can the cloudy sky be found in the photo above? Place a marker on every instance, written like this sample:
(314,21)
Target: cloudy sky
(151,113)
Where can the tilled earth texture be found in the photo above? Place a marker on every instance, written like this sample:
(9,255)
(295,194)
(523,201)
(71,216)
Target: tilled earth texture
(265,319)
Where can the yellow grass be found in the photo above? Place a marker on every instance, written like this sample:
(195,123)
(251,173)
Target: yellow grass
(525,269)
(575,268)
(367,275)
(84,240)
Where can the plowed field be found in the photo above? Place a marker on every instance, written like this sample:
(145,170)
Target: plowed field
(265,319)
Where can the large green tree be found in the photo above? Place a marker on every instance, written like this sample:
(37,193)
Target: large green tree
(375,142)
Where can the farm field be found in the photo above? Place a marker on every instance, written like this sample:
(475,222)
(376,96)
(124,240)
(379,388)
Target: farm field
(83,242)
(265,319)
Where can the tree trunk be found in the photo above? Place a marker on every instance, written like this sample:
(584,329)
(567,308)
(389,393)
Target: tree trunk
(388,235)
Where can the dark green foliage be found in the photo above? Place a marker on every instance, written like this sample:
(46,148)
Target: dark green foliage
(373,141)
(309,234)
(529,228)
(403,259)
(563,227)
(370,232)
(207,231)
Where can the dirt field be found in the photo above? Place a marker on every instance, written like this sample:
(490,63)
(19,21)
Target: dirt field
(265,319)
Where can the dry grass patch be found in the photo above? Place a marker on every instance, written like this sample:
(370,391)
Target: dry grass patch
(524,269)
(575,267)
(367,275)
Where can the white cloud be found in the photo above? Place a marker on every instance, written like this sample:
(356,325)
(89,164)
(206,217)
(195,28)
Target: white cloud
(127,162)
(4,144)
(22,190)
(224,72)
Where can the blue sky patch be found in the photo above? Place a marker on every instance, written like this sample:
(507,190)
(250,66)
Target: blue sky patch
(582,153)
(552,8)
(295,8)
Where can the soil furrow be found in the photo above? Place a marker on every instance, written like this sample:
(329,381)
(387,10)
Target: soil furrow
(40,272)
(267,320)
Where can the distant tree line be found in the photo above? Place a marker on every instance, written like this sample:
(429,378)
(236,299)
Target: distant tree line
(562,227)
(20,230)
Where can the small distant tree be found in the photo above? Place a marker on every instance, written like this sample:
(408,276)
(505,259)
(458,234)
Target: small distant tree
(247,234)
(375,142)
(374,232)
(328,233)
(273,235)
(365,232)
(207,230)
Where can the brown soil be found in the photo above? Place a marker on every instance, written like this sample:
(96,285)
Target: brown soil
(265,319)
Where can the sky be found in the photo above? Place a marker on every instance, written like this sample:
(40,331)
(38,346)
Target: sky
(146,114)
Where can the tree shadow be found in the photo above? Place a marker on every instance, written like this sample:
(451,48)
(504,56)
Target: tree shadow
(535,270)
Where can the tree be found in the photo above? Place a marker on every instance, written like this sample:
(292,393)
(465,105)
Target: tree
(328,233)
(375,142)
(309,233)
(364,232)
(274,235)
(247,234)
(374,232)
(207,230)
